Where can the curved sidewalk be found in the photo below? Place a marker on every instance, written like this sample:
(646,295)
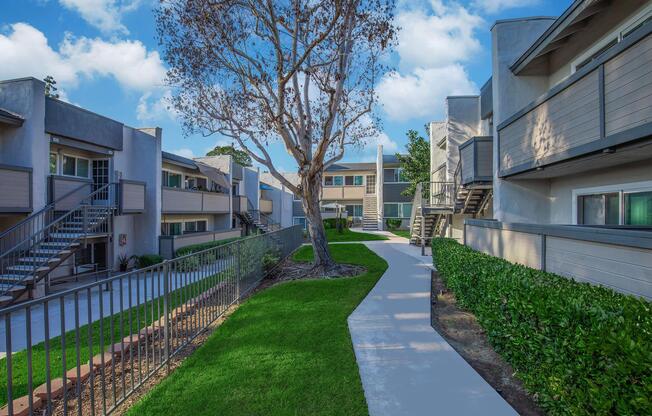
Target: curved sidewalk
(406,367)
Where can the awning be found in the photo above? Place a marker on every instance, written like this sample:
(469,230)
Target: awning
(213,174)
(334,205)
(10,118)
(265,187)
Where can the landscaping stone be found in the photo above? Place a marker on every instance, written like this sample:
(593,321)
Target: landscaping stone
(56,389)
(119,349)
(97,360)
(84,373)
(21,406)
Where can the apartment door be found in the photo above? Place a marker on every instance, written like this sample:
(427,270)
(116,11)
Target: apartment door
(370,187)
(100,169)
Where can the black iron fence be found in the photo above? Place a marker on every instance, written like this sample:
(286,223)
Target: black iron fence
(85,350)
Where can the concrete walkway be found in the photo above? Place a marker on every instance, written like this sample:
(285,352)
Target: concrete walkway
(406,367)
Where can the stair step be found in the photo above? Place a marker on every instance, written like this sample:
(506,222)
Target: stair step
(40,252)
(38,260)
(28,269)
(66,236)
(12,278)
(11,288)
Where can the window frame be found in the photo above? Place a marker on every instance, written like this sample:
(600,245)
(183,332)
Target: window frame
(172,172)
(398,172)
(621,189)
(76,158)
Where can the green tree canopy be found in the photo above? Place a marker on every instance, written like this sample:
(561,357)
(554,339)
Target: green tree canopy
(239,156)
(50,87)
(416,163)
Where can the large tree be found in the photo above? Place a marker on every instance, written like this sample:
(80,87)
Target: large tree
(239,156)
(416,162)
(300,72)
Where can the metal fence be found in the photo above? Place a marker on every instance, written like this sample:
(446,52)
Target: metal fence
(107,338)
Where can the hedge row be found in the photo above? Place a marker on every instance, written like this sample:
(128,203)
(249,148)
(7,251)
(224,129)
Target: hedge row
(579,349)
(194,248)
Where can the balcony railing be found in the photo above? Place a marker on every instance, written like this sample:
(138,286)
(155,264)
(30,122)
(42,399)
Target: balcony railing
(437,195)
(181,201)
(240,203)
(605,104)
(266,206)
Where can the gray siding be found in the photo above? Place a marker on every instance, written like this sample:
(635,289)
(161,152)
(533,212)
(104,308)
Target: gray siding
(16,189)
(297,209)
(466,157)
(132,197)
(485,152)
(170,244)
(69,121)
(181,201)
(628,88)
(486,100)
(74,190)
(392,192)
(569,119)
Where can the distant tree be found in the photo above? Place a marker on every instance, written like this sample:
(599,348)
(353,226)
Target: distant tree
(50,87)
(416,163)
(239,156)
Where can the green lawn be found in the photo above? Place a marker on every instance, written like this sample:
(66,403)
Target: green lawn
(285,351)
(347,235)
(402,233)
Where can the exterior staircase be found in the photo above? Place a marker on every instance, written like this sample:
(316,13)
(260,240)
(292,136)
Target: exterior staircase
(40,243)
(260,221)
(370,213)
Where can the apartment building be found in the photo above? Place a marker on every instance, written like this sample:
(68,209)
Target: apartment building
(461,173)
(370,193)
(80,191)
(572,145)
(70,180)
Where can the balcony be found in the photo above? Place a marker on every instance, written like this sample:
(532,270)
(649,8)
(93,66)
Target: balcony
(337,193)
(598,117)
(132,197)
(266,206)
(476,158)
(185,201)
(240,203)
(16,189)
(169,244)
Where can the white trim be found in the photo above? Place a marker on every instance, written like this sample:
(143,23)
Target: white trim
(643,186)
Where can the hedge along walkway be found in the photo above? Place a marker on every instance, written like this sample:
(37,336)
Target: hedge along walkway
(285,351)
(406,367)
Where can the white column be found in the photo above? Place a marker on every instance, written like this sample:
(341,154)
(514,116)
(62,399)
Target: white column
(379,187)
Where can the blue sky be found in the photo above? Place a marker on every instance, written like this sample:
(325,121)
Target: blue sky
(104,55)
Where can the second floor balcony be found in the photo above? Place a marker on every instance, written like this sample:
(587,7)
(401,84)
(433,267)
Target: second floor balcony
(600,116)
(186,201)
(476,159)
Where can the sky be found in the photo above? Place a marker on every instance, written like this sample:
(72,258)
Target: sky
(105,57)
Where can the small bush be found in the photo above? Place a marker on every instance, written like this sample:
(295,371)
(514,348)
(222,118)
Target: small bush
(270,259)
(393,223)
(579,349)
(194,248)
(331,223)
(147,260)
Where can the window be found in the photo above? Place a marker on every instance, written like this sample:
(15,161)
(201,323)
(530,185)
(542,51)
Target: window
(348,180)
(627,204)
(638,208)
(194,226)
(333,180)
(299,221)
(354,210)
(596,54)
(397,210)
(394,175)
(171,180)
(74,166)
(53,163)
(355,180)
(171,228)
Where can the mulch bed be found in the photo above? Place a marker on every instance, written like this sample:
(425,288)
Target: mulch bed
(463,332)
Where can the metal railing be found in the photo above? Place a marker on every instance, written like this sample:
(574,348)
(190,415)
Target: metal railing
(42,249)
(118,332)
(264,220)
(438,195)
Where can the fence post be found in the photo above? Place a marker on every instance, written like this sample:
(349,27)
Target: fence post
(238,250)
(166,307)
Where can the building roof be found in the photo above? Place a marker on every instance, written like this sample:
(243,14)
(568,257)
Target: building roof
(179,160)
(11,118)
(351,166)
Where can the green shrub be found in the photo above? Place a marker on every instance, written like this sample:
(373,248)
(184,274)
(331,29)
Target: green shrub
(270,259)
(194,248)
(147,260)
(332,223)
(579,349)
(393,223)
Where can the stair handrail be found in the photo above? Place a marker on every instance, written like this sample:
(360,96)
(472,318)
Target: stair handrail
(416,205)
(51,229)
(32,218)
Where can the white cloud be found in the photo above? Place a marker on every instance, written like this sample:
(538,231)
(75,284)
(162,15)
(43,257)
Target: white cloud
(156,106)
(435,41)
(25,52)
(105,15)
(422,92)
(495,6)
(184,151)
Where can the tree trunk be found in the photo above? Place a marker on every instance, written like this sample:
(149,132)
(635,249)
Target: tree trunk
(311,190)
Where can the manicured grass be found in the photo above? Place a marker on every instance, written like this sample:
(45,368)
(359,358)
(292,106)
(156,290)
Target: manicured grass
(402,233)
(285,351)
(140,317)
(347,235)
(580,349)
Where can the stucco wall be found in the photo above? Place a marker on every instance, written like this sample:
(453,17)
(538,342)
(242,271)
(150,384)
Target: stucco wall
(462,123)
